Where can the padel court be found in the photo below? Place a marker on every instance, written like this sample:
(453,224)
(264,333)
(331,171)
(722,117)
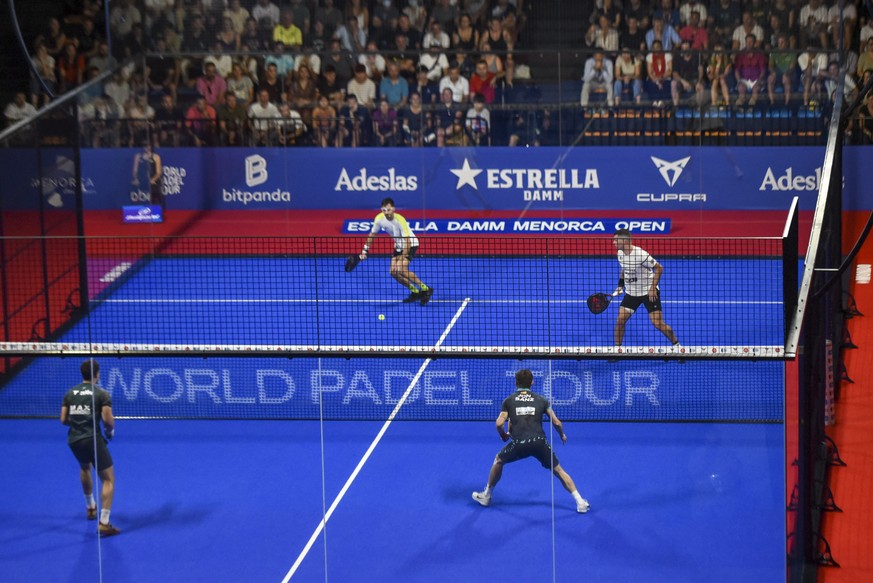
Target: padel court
(230,463)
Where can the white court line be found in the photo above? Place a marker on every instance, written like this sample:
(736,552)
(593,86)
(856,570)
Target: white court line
(383,301)
(370,449)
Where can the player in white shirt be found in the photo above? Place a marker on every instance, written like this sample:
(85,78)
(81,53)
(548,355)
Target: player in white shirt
(639,278)
(405,247)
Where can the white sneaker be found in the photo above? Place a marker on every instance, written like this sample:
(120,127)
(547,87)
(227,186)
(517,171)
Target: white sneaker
(482,498)
(582,507)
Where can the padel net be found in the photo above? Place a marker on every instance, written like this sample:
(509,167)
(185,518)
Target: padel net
(522,296)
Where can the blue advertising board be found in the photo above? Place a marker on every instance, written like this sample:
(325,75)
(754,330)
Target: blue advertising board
(447,389)
(575,226)
(474,179)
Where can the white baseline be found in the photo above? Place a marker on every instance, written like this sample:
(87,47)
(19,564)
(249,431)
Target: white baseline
(370,449)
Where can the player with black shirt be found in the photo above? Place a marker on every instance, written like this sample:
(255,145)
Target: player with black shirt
(84,406)
(524,410)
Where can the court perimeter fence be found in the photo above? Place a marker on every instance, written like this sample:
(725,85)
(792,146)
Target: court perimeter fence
(54,300)
(265,311)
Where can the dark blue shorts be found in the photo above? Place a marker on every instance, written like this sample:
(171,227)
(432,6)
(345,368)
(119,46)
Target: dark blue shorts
(536,447)
(84,452)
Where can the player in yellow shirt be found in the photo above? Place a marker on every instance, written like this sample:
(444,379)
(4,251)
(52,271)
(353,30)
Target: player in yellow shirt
(405,247)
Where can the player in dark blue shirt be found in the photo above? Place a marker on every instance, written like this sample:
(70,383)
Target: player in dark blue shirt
(84,407)
(524,410)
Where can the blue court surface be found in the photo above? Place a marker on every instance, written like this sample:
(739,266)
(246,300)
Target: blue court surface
(233,496)
(499,302)
(238,501)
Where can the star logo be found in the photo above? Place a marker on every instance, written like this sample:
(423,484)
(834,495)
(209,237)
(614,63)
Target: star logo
(466,175)
(670,171)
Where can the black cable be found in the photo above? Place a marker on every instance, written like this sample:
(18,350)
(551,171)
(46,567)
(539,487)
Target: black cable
(856,103)
(846,114)
(13,18)
(849,258)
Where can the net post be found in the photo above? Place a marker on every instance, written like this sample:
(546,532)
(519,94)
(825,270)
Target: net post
(813,324)
(789,266)
(81,243)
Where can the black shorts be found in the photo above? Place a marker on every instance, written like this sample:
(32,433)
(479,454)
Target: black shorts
(410,254)
(633,302)
(537,447)
(84,452)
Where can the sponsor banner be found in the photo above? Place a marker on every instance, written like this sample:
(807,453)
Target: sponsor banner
(142,214)
(569,226)
(34,179)
(108,179)
(471,389)
(478,179)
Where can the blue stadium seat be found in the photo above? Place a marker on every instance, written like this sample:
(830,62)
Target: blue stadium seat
(717,124)
(810,124)
(571,92)
(598,127)
(777,125)
(685,125)
(550,93)
(654,126)
(748,129)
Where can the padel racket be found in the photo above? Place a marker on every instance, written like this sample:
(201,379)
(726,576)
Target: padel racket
(352,262)
(597,303)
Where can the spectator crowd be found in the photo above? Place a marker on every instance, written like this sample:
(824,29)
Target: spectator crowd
(425,72)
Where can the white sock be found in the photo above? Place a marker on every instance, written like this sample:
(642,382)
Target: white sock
(576,496)
(487,490)
(104,516)
(89,501)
